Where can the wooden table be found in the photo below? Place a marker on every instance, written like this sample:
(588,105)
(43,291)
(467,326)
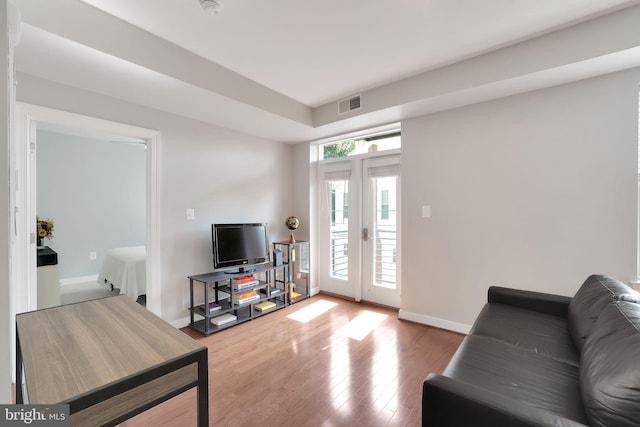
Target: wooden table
(109,359)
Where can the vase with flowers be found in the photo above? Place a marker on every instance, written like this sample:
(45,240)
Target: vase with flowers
(44,229)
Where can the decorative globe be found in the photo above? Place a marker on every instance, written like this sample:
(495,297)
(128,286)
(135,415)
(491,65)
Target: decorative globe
(292,223)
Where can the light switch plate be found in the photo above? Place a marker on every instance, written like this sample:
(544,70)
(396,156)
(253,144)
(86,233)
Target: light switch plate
(191,214)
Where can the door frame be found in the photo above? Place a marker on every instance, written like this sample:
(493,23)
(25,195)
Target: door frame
(356,191)
(24,256)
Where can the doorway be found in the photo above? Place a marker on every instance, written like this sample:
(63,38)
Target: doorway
(24,262)
(91,190)
(359,224)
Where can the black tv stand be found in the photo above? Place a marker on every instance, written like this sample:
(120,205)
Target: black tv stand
(280,285)
(272,286)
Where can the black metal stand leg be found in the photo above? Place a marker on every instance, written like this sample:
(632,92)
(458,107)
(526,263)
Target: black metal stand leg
(207,321)
(191,301)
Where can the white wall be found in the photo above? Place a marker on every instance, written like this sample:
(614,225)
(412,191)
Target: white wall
(224,175)
(94,190)
(301,183)
(6,321)
(534,191)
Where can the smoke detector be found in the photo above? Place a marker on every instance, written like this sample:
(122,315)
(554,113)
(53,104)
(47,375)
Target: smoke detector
(212,7)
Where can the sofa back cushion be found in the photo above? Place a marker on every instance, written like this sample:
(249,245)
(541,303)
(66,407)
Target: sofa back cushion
(587,304)
(610,367)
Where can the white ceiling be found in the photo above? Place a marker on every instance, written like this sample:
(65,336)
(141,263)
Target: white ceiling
(320,51)
(271,68)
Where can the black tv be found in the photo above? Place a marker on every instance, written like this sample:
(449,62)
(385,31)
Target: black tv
(239,246)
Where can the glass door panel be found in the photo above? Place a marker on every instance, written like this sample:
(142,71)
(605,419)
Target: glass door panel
(385,232)
(338,238)
(339,228)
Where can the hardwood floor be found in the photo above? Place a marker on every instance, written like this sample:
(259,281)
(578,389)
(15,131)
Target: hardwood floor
(312,364)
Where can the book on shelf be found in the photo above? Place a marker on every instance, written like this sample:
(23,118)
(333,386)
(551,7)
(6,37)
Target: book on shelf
(213,306)
(225,318)
(245,297)
(245,285)
(243,279)
(245,294)
(274,290)
(246,300)
(266,305)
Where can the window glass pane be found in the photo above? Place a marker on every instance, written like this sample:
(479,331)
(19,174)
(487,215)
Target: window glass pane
(368,144)
(384,206)
(346,205)
(338,232)
(338,149)
(333,206)
(385,263)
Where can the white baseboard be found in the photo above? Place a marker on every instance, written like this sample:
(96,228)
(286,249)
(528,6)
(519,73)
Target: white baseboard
(402,314)
(434,321)
(180,323)
(80,279)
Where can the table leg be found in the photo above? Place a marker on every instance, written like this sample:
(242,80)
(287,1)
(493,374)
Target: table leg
(203,389)
(19,396)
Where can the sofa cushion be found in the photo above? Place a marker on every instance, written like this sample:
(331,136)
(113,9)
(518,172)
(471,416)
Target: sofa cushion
(585,307)
(610,367)
(529,330)
(522,375)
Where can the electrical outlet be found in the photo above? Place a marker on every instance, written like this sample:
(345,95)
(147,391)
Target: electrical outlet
(190,214)
(93,256)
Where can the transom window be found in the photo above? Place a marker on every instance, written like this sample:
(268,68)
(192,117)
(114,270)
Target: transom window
(369,144)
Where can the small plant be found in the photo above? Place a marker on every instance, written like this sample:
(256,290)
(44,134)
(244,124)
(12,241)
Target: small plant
(44,228)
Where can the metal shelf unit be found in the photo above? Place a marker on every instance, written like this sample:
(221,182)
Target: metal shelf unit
(297,257)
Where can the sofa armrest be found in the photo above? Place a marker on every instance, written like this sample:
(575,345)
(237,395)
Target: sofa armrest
(555,305)
(448,402)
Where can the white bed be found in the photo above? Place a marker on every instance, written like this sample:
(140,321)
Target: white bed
(125,269)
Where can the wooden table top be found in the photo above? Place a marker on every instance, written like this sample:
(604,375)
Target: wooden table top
(74,349)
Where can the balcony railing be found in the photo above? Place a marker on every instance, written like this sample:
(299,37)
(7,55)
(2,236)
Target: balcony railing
(385,256)
(339,253)
(386,253)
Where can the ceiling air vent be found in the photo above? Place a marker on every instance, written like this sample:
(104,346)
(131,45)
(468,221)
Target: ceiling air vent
(348,105)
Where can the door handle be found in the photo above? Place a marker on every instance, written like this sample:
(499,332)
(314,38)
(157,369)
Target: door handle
(365,234)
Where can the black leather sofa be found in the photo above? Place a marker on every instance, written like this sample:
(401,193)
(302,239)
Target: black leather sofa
(534,359)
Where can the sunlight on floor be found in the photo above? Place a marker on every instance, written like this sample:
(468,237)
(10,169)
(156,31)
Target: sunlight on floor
(385,374)
(361,325)
(340,375)
(312,311)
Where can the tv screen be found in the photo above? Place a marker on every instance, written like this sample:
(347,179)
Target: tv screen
(239,245)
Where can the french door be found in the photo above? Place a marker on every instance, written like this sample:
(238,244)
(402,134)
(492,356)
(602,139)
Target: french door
(360,229)
(339,259)
(381,231)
